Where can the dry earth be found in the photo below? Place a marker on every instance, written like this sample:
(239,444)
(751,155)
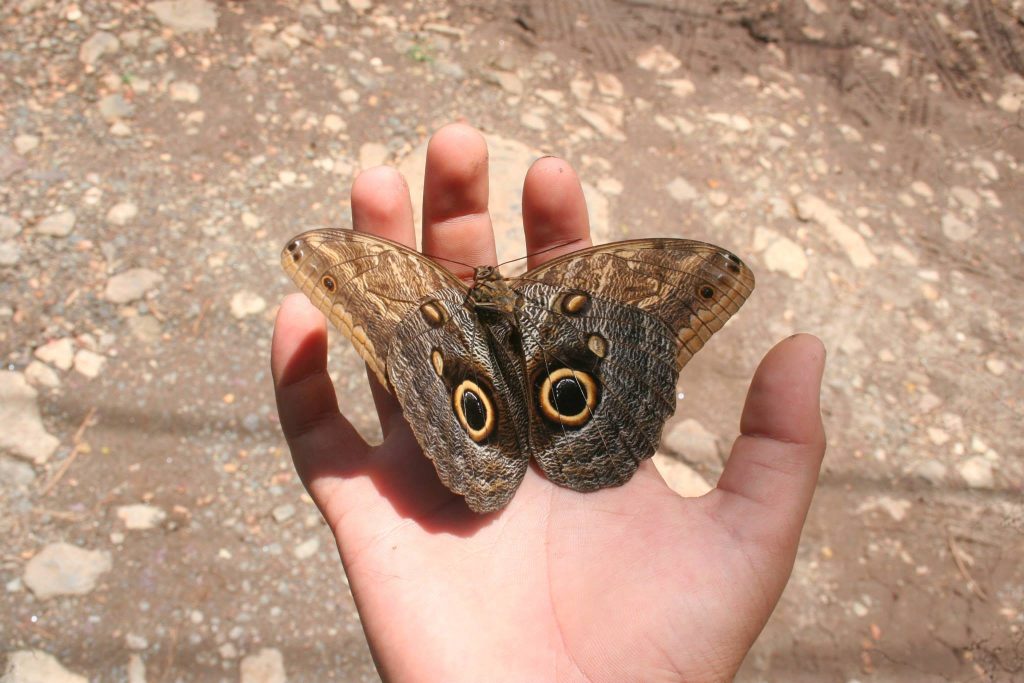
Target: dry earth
(865,158)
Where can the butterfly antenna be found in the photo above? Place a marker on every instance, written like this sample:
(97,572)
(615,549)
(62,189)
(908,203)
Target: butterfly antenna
(449,260)
(543,251)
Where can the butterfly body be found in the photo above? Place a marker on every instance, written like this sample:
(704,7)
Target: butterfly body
(574,364)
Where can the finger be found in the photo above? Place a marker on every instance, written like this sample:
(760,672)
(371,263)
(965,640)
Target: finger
(381,207)
(456,224)
(770,477)
(324,445)
(554,211)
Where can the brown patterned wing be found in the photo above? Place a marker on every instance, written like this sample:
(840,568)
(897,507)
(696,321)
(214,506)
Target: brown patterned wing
(692,287)
(365,285)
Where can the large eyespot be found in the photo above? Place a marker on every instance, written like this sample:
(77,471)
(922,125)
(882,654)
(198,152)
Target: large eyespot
(568,397)
(474,410)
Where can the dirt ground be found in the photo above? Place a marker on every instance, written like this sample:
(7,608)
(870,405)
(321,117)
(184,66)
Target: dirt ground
(865,158)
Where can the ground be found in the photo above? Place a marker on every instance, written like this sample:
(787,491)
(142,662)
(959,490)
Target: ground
(864,158)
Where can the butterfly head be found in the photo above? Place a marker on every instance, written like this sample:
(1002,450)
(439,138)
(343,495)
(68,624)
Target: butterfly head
(491,292)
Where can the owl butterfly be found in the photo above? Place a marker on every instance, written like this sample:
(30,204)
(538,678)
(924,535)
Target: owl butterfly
(573,364)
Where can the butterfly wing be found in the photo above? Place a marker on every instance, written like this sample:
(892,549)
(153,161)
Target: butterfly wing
(363,284)
(606,331)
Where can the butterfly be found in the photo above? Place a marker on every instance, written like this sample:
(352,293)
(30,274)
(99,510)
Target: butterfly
(573,364)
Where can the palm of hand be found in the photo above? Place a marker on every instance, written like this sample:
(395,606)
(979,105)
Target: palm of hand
(629,583)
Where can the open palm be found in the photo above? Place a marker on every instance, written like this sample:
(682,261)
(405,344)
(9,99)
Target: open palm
(625,584)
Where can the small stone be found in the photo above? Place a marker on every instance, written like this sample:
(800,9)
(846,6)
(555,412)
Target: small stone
(287,177)
(996,366)
(37,666)
(601,124)
(228,651)
(136,669)
(270,49)
(57,225)
(718,198)
(532,121)
(65,569)
(922,189)
(122,213)
(306,549)
(658,60)
(507,81)
(140,517)
(131,285)
(680,478)
(608,85)
(120,129)
(266,666)
(8,227)
(185,16)
(115,107)
(183,91)
(16,474)
(895,507)
(610,186)
(977,472)
(59,352)
(932,471)
(282,513)
(41,375)
(693,443)
(245,303)
(334,123)
(680,87)
(23,433)
(10,254)
(88,363)
(372,154)
(1010,102)
(682,191)
(956,230)
(811,208)
(938,436)
(134,641)
(360,5)
(99,44)
(23,144)
(330,6)
(966,197)
(737,122)
(786,256)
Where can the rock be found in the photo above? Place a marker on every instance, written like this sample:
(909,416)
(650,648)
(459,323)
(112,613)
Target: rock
(690,441)
(932,471)
(602,125)
(145,328)
(89,363)
(140,517)
(8,227)
(360,5)
(65,569)
(183,91)
(23,433)
(680,87)
(977,472)
(115,107)
(10,254)
(956,230)
(787,257)
(136,669)
(658,59)
(59,352)
(372,154)
(679,477)
(718,198)
(334,123)
(266,666)
(682,191)
(996,366)
(270,49)
(533,121)
(23,144)
(966,197)
(282,513)
(15,473)
(507,81)
(307,549)
(812,208)
(122,213)
(99,44)
(938,436)
(41,375)
(134,641)
(609,85)
(131,284)
(57,225)
(37,666)
(245,303)
(737,122)
(896,507)
(330,6)
(185,16)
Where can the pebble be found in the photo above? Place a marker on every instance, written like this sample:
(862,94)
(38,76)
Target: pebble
(977,472)
(89,363)
(737,122)
(122,213)
(658,60)
(895,507)
(812,208)
(680,477)
(8,227)
(609,85)
(718,198)
(532,121)
(23,433)
(786,256)
(360,5)
(270,49)
(932,471)
(306,549)
(966,197)
(282,513)
(682,191)
(334,123)
(680,87)
(37,666)
(131,285)
(23,144)
(372,154)
(185,16)
(140,517)
(65,569)
(134,641)
(183,91)
(956,230)
(601,124)
(58,224)
(59,353)
(15,473)
(115,107)
(136,669)
(693,443)
(996,366)
(266,666)
(245,303)
(10,254)
(938,436)
(98,44)
(330,6)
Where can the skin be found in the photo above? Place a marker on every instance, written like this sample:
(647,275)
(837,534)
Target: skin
(632,583)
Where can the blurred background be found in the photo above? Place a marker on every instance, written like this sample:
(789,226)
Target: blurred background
(863,157)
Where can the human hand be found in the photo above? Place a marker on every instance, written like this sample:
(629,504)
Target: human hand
(631,583)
